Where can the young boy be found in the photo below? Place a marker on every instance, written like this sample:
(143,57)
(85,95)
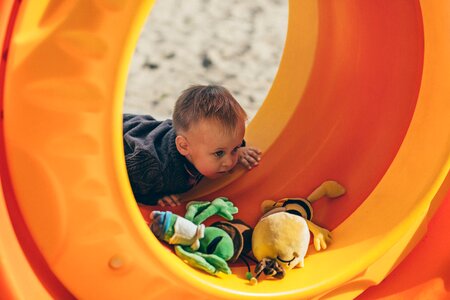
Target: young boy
(205,139)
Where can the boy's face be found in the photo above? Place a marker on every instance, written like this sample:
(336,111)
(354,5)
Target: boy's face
(211,149)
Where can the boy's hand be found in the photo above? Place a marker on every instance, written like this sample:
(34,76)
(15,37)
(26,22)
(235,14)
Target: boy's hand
(249,157)
(171,200)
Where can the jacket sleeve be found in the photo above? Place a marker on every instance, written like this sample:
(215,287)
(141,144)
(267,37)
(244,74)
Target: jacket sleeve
(144,172)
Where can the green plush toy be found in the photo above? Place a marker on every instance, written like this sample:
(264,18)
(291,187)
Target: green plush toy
(205,248)
(281,237)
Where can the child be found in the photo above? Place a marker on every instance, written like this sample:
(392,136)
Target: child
(205,139)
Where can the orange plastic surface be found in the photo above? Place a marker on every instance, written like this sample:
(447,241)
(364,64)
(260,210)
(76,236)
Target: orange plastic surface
(425,273)
(361,96)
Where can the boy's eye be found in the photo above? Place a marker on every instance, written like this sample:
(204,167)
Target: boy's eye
(219,153)
(235,149)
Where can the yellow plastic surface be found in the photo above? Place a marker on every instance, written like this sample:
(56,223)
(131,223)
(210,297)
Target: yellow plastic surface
(62,104)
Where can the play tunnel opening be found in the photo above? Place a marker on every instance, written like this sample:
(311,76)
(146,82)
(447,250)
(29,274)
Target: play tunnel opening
(194,44)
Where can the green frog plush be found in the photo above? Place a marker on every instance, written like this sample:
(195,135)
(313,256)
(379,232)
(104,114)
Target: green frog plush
(205,248)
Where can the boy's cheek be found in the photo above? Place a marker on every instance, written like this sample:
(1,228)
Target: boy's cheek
(235,163)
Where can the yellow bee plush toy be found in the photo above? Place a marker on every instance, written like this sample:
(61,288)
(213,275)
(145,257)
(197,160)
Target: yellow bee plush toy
(281,237)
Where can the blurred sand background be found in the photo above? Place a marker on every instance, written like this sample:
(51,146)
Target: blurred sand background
(235,43)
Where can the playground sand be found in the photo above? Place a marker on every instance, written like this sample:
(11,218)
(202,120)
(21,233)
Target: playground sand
(233,43)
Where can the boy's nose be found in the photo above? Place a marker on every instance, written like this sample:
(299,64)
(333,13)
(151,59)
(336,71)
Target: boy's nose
(228,162)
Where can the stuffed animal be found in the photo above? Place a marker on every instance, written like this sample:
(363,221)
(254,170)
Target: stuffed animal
(281,237)
(205,248)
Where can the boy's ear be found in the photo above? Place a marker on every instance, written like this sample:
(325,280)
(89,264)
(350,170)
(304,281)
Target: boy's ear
(182,145)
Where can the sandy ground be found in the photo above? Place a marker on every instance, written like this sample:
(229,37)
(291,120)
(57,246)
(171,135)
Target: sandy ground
(235,43)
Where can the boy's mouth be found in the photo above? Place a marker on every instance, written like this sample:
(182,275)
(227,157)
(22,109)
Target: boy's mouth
(224,172)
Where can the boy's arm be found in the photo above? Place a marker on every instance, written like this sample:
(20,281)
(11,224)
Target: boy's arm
(145,177)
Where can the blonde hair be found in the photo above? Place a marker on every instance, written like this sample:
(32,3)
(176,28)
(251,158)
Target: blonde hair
(207,102)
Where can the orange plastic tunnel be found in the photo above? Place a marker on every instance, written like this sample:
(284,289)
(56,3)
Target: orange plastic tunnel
(361,96)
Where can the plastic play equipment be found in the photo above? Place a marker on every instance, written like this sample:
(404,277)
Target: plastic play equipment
(361,96)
